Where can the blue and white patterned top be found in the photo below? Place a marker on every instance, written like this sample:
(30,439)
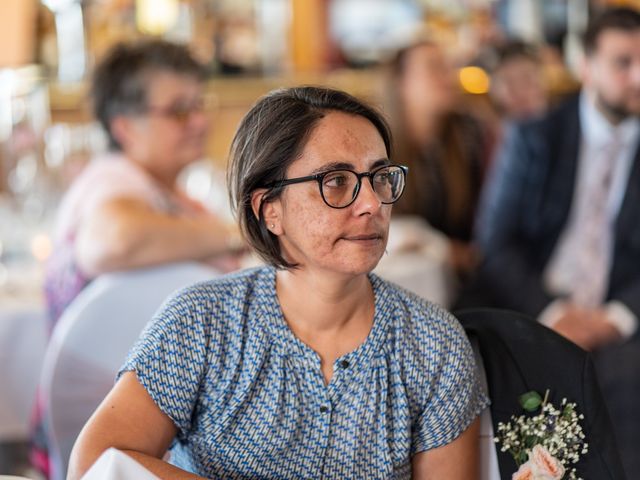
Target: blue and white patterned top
(250,402)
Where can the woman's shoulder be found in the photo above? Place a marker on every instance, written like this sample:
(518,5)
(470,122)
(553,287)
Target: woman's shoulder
(222,298)
(112,174)
(230,286)
(210,319)
(428,343)
(417,308)
(108,164)
(106,177)
(215,315)
(429,324)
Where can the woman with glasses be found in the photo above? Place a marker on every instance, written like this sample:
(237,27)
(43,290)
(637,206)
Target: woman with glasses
(311,366)
(125,210)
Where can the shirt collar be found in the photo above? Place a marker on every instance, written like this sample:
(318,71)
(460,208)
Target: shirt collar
(288,344)
(597,131)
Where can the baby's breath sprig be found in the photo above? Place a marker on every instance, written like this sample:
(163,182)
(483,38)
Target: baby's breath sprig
(557,430)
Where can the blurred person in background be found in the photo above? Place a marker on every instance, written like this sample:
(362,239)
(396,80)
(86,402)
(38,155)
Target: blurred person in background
(125,210)
(559,228)
(444,147)
(310,366)
(517,91)
(518,88)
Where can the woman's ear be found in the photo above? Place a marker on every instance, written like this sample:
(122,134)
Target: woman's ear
(271,210)
(121,129)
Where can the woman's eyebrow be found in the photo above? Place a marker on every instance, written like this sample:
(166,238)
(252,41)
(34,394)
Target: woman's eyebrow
(347,166)
(379,163)
(333,166)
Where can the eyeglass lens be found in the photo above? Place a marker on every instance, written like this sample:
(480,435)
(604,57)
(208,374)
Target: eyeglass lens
(340,187)
(180,112)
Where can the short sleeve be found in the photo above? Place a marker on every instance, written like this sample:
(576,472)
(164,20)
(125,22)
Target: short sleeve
(457,395)
(170,357)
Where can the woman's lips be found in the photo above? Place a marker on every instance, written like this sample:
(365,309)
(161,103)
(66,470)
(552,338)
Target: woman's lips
(366,238)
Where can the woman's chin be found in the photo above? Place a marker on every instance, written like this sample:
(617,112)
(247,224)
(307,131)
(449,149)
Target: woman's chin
(363,267)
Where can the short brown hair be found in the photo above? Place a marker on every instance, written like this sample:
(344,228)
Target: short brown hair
(269,139)
(621,18)
(120,81)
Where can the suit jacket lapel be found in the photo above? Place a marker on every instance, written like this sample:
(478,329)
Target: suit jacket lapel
(628,215)
(561,177)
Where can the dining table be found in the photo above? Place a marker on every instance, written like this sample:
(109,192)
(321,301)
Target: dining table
(23,341)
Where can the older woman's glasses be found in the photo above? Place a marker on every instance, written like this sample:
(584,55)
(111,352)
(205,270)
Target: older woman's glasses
(180,112)
(340,188)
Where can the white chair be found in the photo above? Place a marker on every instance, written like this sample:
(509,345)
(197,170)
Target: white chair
(489,469)
(91,341)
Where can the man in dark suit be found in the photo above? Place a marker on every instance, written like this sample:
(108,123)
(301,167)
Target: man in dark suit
(560,225)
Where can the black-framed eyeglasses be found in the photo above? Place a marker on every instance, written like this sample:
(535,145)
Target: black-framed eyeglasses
(339,188)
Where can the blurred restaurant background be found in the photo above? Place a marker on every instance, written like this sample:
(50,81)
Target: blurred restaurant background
(47,134)
(48,48)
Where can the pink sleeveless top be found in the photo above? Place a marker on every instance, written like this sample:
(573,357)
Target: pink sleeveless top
(106,178)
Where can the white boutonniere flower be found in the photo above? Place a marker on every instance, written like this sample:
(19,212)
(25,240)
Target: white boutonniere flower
(546,442)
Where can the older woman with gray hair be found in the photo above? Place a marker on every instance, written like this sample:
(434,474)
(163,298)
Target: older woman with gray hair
(310,366)
(126,210)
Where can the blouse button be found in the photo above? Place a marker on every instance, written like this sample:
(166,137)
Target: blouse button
(323,409)
(344,363)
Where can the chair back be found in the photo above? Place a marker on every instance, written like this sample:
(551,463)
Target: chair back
(520,355)
(489,469)
(90,343)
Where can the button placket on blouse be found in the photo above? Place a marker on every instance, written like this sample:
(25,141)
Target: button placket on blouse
(342,375)
(320,403)
(320,389)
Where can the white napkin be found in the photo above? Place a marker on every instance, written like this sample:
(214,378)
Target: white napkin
(115,465)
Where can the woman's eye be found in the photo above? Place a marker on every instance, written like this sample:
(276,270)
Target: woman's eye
(335,180)
(382,177)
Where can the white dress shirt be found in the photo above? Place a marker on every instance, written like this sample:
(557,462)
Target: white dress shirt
(597,135)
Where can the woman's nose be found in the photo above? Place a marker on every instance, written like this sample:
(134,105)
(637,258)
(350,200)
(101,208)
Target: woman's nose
(367,200)
(198,119)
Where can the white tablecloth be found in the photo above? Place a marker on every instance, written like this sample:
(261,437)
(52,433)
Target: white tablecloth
(417,259)
(22,345)
(420,274)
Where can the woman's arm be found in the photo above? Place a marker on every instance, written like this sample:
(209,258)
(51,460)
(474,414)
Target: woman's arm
(458,460)
(126,233)
(128,420)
